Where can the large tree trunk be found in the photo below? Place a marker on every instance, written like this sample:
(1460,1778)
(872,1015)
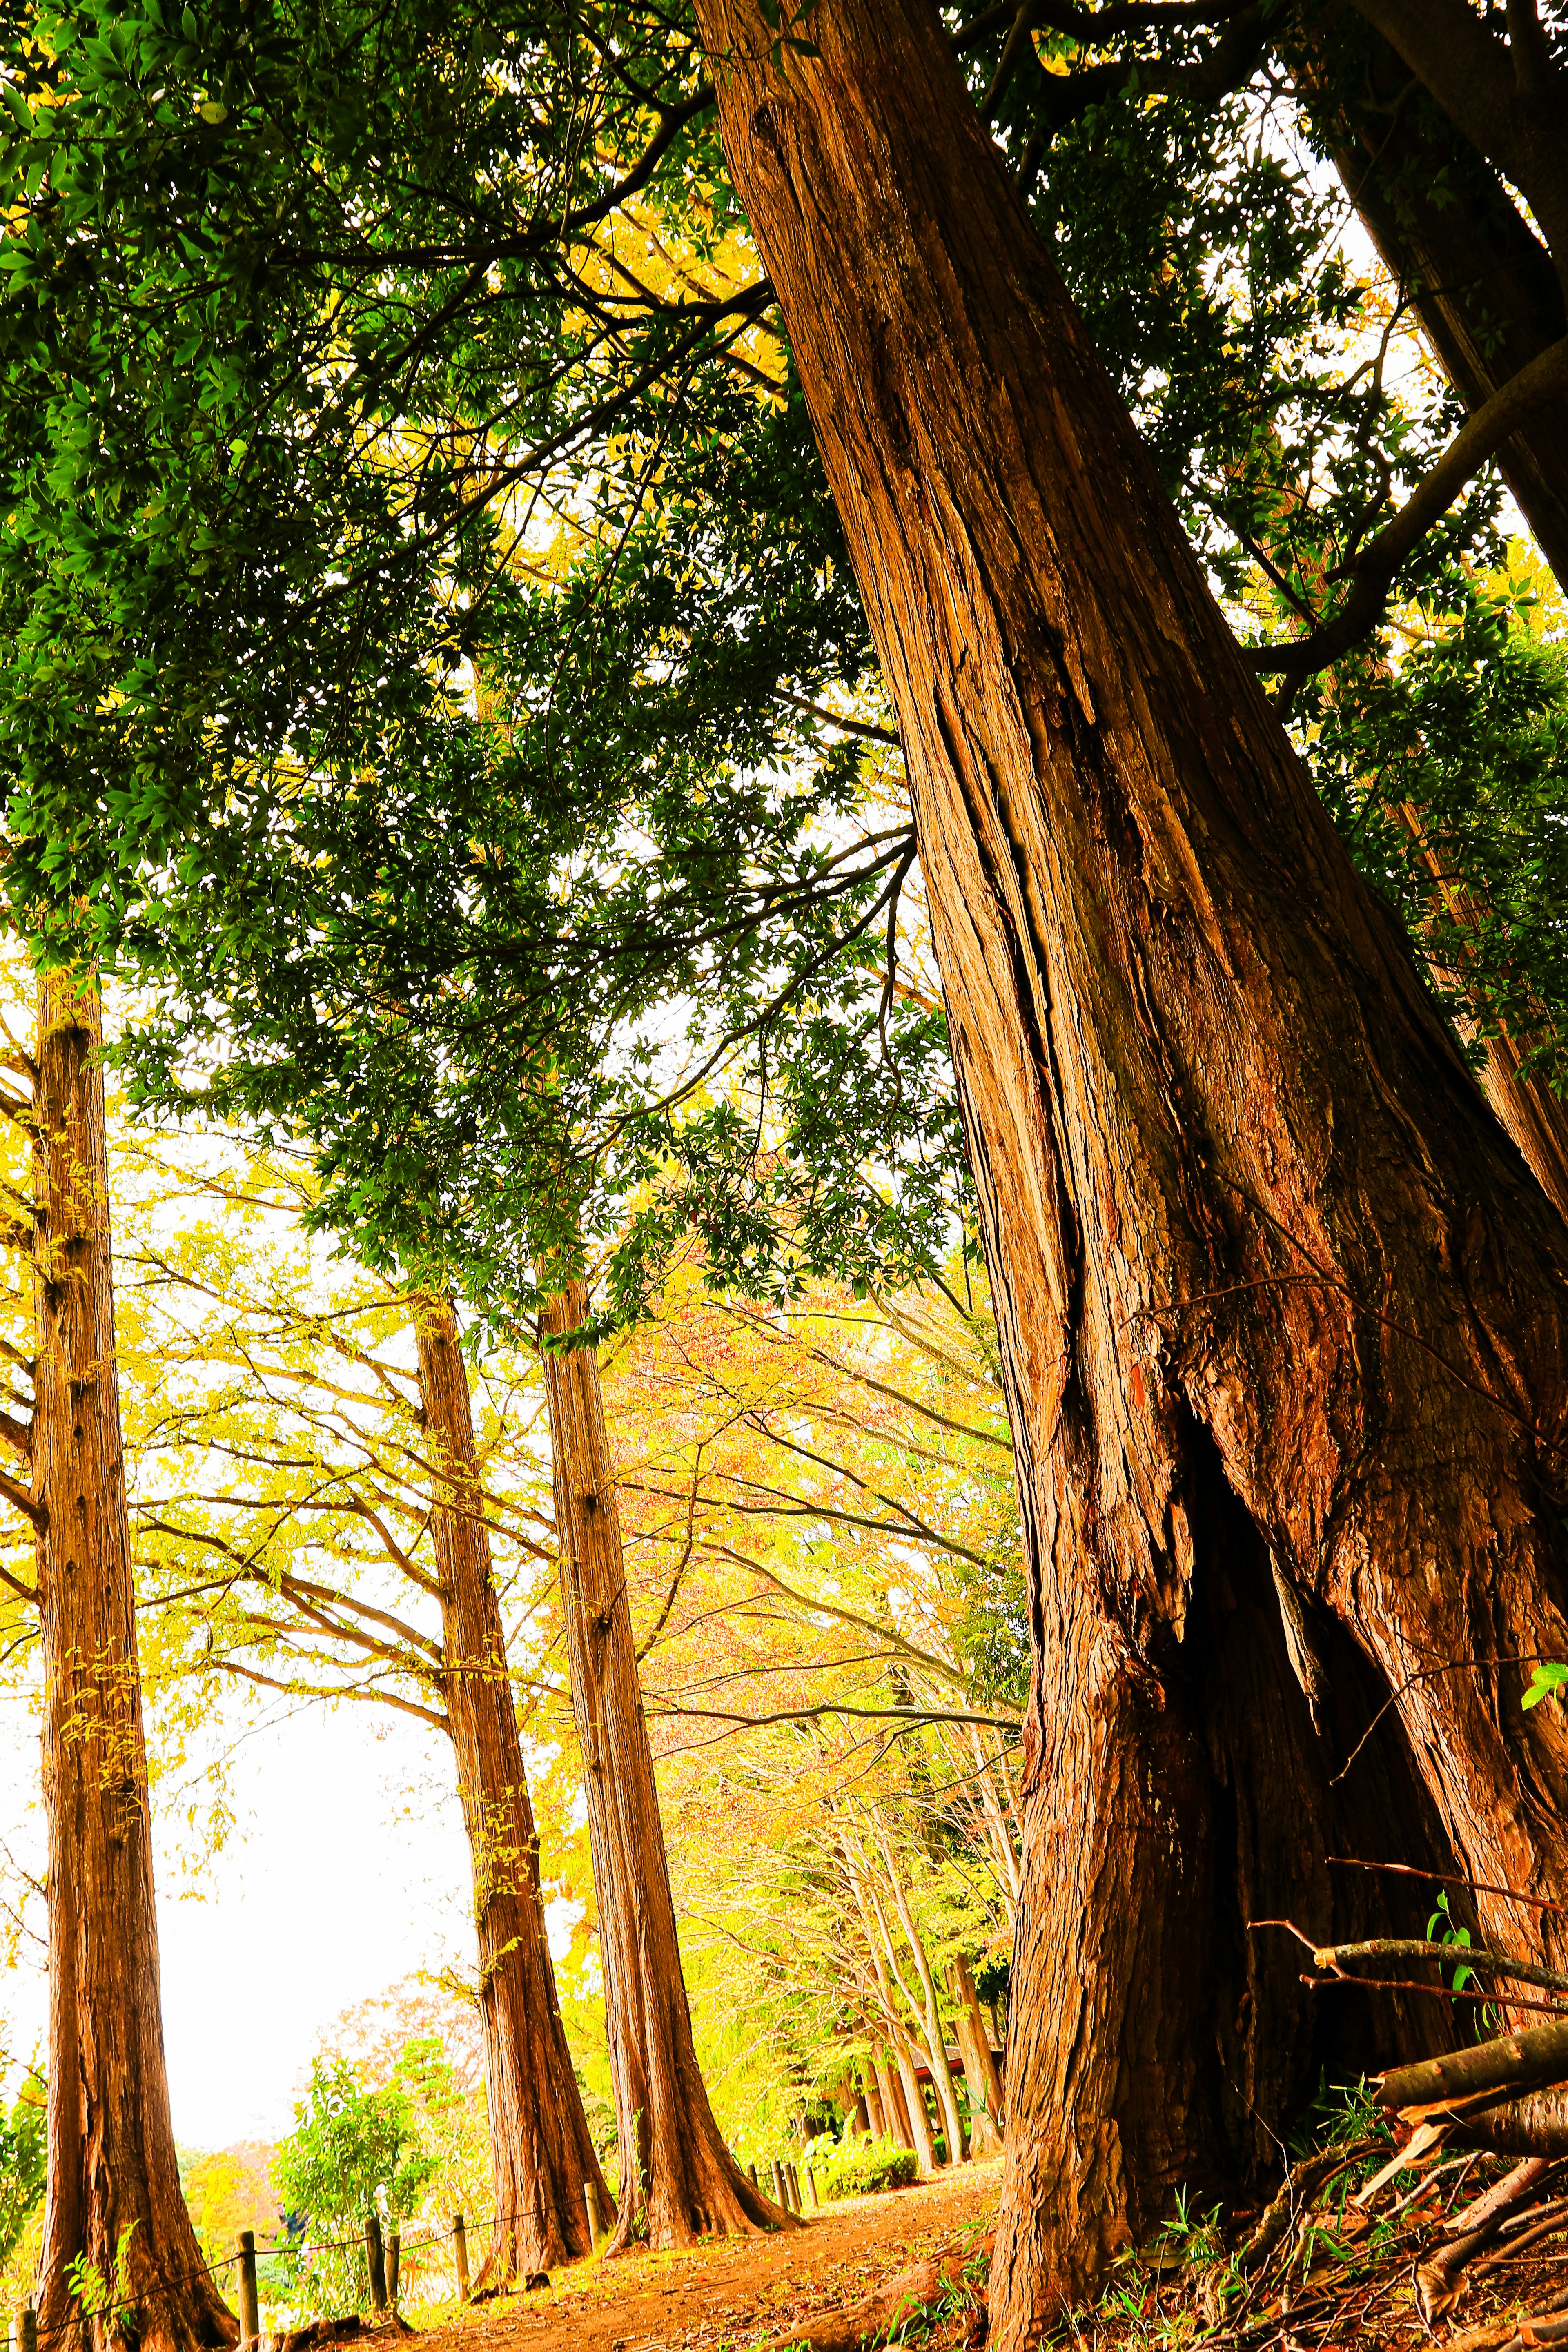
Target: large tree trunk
(678,2177)
(1282,1319)
(113,2191)
(541,2151)
(1485,289)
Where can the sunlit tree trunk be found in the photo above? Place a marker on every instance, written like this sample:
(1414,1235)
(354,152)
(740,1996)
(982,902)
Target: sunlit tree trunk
(679,2178)
(541,2153)
(928,2008)
(113,2195)
(1282,1320)
(980,2074)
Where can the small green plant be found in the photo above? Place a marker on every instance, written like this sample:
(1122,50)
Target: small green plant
(22,2154)
(352,2151)
(1546,1679)
(861,2166)
(95,2294)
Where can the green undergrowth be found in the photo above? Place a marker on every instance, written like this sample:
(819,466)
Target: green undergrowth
(1207,2267)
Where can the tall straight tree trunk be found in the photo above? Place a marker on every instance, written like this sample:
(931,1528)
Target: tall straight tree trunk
(1533,1115)
(924,2001)
(113,2185)
(980,2077)
(542,2154)
(894,2124)
(678,2177)
(1282,1320)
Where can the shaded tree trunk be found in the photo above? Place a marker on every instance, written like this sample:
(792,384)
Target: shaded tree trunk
(980,2074)
(541,2153)
(1282,1319)
(1533,1117)
(1485,289)
(678,2177)
(895,2124)
(113,2187)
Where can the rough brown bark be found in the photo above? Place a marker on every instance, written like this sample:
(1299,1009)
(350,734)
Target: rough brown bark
(541,2150)
(1282,1321)
(114,2181)
(678,2179)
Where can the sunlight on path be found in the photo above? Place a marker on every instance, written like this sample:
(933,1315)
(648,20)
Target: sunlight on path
(733,2292)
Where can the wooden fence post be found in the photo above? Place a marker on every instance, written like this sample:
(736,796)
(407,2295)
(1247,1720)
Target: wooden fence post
(27,2330)
(249,2304)
(393,2265)
(751,2174)
(811,2190)
(460,2245)
(596,2226)
(779,2197)
(377,2261)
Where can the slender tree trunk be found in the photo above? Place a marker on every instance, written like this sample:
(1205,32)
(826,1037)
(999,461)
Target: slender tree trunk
(892,2125)
(113,2192)
(1282,1322)
(678,2177)
(911,2100)
(985,2083)
(928,2008)
(901,2084)
(1485,289)
(890,2108)
(541,2153)
(998,1826)
(1533,1115)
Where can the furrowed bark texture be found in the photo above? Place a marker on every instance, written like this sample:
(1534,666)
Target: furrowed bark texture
(1282,1317)
(541,2150)
(113,2179)
(676,2173)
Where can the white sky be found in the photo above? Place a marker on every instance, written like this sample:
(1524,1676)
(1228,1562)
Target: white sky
(347,1871)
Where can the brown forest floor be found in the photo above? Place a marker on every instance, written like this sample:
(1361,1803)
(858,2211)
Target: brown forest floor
(734,2291)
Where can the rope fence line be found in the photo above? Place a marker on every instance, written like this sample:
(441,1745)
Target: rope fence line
(29,2335)
(384,2277)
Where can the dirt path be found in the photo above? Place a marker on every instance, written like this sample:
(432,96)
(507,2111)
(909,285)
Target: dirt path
(733,2292)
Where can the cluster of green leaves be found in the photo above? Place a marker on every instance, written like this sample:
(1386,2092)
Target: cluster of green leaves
(309,324)
(22,2159)
(860,2166)
(1469,738)
(354,2151)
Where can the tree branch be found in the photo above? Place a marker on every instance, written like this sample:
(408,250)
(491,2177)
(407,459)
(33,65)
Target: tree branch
(1543,379)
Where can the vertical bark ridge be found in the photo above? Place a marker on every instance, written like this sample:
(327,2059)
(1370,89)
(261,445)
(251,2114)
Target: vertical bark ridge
(541,2153)
(1242,1202)
(678,2177)
(114,2181)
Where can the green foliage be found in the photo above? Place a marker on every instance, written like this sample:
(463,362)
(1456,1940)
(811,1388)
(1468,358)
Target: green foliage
(1549,1677)
(352,2151)
(97,2294)
(22,2161)
(226,2191)
(860,2166)
(1470,731)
